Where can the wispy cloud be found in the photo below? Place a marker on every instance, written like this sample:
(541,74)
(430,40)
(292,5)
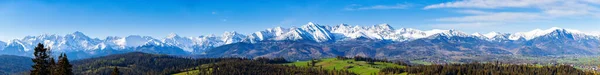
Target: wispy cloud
(593,1)
(494,17)
(214,13)
(553,8)
(540,10)
(490,4)
(377,7)
(473,12)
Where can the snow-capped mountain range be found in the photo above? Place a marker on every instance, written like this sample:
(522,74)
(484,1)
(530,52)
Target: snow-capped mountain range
(78,41)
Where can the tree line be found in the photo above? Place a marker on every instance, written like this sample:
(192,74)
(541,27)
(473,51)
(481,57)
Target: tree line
(45,64)
(252,67)
(486,69)
(372,60)
(138,63)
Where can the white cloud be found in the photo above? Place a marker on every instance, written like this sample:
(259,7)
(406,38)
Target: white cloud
(214,13)
(494,17)
(490,4)
(377,7)
(535,10)
(473,12)
(569,8)
(593,1)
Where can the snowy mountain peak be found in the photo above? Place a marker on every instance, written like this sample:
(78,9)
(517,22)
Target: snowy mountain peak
(310,23)
(233,34)
(137,40)
(228,33)
(77,33)
(408,29)
(384,26)
(477,34)
(280,30)
(453,32)
(344,25)
(539,32)
(172,35)
(434,31)
(316,32)
(554,28)
(43,36)
(411,33)
(597,34)
(557,29)
(77,36)
(232,37)
(2,45)
(492,34)
(446,33)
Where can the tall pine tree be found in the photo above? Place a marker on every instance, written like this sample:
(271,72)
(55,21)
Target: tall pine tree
(64,67)
(115,71)
(41,61)
(53,66)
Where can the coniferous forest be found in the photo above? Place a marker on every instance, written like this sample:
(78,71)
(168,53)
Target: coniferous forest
(14,64)
(140,63)
(45,64)
(487,69)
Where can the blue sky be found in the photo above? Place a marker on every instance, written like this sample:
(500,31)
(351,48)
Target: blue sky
(158,18)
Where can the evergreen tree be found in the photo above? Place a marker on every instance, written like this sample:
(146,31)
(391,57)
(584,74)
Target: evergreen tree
(53,67)
(64,66)
(313,62)
(115,71)
(41,61)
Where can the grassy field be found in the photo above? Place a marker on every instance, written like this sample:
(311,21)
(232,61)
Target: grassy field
(192,72)
(420,62)
(359,67)
(588,61)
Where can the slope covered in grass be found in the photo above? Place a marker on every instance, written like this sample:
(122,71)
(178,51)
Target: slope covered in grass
(358,67)
(254,67)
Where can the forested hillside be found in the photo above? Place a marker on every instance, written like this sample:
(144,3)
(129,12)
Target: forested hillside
(14,64)
(137,63)
(487,69)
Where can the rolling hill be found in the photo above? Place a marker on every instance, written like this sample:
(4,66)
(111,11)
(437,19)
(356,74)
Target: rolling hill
(138,63)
